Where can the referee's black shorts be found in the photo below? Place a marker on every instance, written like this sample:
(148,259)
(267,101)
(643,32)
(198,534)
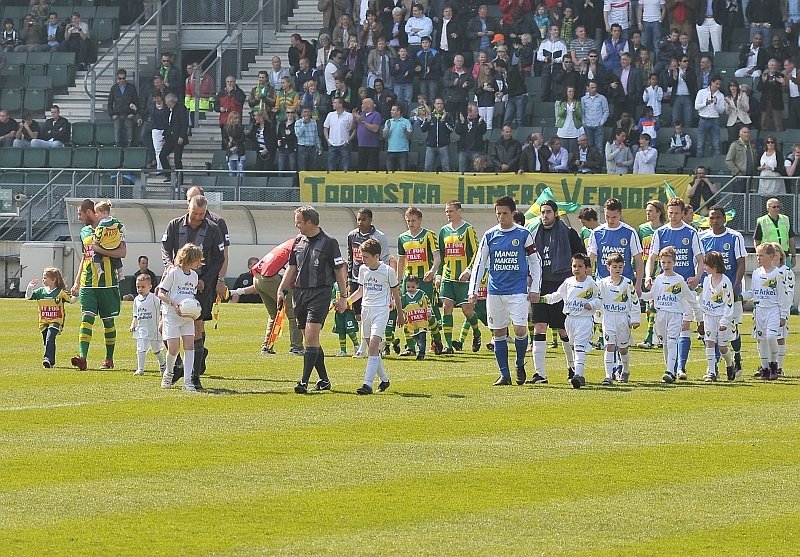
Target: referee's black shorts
(206,299)
(553,314)
(311,305)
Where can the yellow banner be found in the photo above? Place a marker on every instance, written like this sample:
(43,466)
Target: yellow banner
(428,188)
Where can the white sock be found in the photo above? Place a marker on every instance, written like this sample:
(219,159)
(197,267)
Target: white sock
(569,351)
(728,357)
(171,358)
(539,350)
(188,366)
(372,368)
(763,353)
(772,345)
(160,356)
(580,362)
(382,370)
(362,347)
(671,353)
(608,362)
(140,356)
(626,361)
(781,355)
(711,360)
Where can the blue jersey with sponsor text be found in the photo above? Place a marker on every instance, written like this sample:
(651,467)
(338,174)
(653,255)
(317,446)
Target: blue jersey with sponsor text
(730,244)
(508,260)
(687,246)
(605,241)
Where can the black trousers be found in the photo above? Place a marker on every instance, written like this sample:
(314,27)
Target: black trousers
(172,146)
(368,158)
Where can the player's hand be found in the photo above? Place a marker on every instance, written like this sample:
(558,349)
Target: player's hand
(701,328)
(220,289)
(178,310)
(341,305)
(437,282)
(648,282)
(428,277)
(75,289)
(401,318)
(692,282)
(534,297)
(201,285)
(131,328)
(587,305)
(464,277)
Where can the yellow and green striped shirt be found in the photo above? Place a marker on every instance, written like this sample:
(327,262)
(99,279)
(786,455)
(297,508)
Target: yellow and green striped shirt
(418,250)
(457,248)
(89,278)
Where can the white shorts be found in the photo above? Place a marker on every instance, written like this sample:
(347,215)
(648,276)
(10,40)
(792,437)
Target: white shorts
(712,332)
(177,327)
(768,323)
(505,309)
(579,329)
(617,330)
(145,344)
(668,326)
(373,321)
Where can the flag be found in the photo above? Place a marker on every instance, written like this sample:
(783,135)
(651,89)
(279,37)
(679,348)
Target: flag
(564,207)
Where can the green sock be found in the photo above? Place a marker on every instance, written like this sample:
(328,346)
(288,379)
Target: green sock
(464,330)
(110,331)
(475,324)
(343,343)
(85,334)
(651,322)
(354,339)
(447,326)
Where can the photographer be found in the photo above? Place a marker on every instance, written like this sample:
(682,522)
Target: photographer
(28,130)
(76,39)
(701,188)
(32,36)
(771,87)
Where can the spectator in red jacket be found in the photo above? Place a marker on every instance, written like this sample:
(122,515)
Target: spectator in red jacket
(230,99)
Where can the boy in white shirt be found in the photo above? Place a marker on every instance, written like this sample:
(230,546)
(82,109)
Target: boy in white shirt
(620,312)
(145,324)
(653,95)
(788,279)
(673,298)
(579,293)
(768,292)
(377,286)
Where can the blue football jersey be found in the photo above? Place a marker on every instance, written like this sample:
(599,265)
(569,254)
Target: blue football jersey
(730,244)
(605,241)
(687,246)
(508,252)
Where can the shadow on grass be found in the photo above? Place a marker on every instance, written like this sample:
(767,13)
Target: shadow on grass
(262,379)
(412,395)
(453,395)
(213,391)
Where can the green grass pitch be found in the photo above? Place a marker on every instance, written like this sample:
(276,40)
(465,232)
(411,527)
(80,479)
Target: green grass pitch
(104,463)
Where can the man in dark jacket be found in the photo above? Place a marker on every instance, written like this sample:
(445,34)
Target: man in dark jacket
(428,68)
(448,36)
(505,152)
(585,159)
(470,142)
(56,131)
(300,49)
(439,125)
(145,112)
(169,74)
(771,86)
(458,86)
(535,155)
(176,134)
(123,104)
(480,31)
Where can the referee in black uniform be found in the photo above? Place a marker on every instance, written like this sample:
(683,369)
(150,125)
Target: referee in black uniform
(314,265)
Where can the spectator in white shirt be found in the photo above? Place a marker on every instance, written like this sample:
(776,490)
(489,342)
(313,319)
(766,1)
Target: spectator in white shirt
(559,157)
(653,95)
(338,131)
(646,156)
(710,104)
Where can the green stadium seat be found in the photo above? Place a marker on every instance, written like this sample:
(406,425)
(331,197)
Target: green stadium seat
(62,68)
(36,100)
(15,61)
(103,29)
(227,185)
(60,158)
(670,163)
(40,82)
(218,161)
(135,157)
(82,133)
(206,182)
(37,179)
(34,158)
(84,157)
(524,132)
(109,157)
(11,157)
(15,81)
(104,134)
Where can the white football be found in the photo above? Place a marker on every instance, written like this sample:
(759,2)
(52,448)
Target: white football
(190,307)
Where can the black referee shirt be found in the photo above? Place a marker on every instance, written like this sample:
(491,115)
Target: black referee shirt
(317,259)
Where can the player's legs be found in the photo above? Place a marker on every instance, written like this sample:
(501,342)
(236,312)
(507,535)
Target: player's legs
(498,313)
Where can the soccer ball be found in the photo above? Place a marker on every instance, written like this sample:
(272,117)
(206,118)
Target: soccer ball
(190,308)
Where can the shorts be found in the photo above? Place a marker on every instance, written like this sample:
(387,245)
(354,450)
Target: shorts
(768,323)
(177,327)
(454,290)
(103,302)
(373,321)
(391,324)
(668,326)
(345,323)
(553,314)
(617,330)
(145,344)
(206,298)
(712,332)
(353,286)
(579,328)
(311,305)
(505,309)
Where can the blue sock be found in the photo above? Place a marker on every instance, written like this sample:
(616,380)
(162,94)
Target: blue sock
(717,355)
(736,343)
(521,346)
(684,343)
(501,353)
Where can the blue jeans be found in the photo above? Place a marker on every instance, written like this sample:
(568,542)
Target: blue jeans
(339,157)
(429,88)
(596,137)
(397,160)
(306,157)
(123,131)
(444,158)
(466,160)
(651,36)
(404,92)
(683,109)
(236,165)
(710,127)
(515,110)
(287,160)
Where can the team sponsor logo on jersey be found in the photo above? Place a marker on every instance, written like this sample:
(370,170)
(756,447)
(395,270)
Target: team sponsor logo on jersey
(51,312)
(455,249)
(685,241)
(416,255)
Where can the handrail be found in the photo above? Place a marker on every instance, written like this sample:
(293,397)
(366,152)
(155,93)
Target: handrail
(115,51)
(234,33)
